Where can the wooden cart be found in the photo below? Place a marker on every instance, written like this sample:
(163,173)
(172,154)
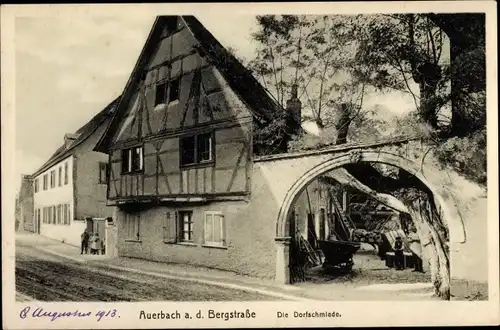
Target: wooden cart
(338,254)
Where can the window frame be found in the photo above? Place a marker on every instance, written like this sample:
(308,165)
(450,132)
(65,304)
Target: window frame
(223,231)
(52,179)
(59,214)
(37,185)
(165,84)
(54,214)
(66,173)
(106,173)
(59,178)
(197,162)
(180,227)
(167,91)
(45,181)
(130,169)
(177,80)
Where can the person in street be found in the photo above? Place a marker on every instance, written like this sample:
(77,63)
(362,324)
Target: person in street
(416,249)
(85,241)
(98,244)
(93,243)
(399,254)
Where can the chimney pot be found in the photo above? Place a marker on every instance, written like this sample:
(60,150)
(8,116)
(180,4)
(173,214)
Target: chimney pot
(294,111)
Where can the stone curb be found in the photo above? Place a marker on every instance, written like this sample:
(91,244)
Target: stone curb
(183,278)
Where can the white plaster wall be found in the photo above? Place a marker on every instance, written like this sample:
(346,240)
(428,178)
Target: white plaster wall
(64,233)
(55,196)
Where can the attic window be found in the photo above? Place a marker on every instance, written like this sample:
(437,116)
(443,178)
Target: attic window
(167,88)
(174,90)
(161,93)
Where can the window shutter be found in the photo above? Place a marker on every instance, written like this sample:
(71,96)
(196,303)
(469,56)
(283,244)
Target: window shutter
(170,227)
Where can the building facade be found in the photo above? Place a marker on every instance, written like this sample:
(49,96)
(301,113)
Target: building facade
(180,151)
(24,206)
(71,186)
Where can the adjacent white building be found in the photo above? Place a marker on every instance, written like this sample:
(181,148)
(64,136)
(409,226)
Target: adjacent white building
(70,188)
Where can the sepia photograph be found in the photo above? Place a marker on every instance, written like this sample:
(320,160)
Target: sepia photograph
(335,157)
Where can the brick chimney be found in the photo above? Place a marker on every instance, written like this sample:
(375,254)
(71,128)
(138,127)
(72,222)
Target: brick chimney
(294,112)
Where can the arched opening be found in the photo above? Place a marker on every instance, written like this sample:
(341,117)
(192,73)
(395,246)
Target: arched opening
(283,234)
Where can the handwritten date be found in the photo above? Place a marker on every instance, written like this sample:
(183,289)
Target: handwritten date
(39,312)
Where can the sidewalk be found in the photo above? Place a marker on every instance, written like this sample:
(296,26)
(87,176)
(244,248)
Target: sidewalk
(302,291)
(56,248)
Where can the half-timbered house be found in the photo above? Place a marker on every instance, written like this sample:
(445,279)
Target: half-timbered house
(180,151)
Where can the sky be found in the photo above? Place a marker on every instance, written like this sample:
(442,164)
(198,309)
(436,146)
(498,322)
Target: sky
(67,70)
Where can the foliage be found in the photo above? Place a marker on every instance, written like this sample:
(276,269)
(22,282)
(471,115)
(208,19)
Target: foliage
(466,155)
(337,60)
(403,51)
(313,52)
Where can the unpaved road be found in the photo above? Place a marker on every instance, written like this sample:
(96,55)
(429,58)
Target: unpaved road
(49,278)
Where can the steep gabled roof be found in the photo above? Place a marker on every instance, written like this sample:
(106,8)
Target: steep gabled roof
(240,79)
(83,134)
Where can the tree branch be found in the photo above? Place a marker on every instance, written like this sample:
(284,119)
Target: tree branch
(408,87)
(342,176)
(431,38)
(274,72)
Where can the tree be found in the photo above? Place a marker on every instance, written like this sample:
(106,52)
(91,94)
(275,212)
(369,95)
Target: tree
(466,32)
(403,50)
(311,52)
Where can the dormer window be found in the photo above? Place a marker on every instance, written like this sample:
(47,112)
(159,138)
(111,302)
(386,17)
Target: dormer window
(167,92)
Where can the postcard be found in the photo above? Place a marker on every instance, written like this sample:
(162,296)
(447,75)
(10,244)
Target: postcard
(249,165)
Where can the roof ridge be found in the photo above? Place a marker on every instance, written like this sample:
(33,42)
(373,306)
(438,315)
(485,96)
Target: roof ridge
(238,77)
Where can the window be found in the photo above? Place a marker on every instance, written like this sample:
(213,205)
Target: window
(66,214)
(66,173)
(196,149)
(132,160)
(45,217)
(103,172)
(170,89)
(54,215)
(52,179)
(132,228)
(169,228)
(204,147)
(49,215)
(59,178)
(173,92)
(36,185)
(59,214)
(214,229)
(161,93)
(45,182)
(185,226)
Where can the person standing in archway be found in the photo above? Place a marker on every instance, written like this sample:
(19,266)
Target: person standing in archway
(399,254)
(416,249)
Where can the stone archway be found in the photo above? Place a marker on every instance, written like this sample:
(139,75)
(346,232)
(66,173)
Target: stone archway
(434,182)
